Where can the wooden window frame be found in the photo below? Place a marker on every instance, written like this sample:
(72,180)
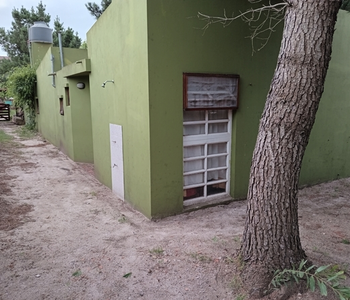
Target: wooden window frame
(186,102)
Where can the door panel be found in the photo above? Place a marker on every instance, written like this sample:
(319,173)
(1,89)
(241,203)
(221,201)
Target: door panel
(116,144)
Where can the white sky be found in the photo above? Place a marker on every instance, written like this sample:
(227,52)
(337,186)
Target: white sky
(72,13)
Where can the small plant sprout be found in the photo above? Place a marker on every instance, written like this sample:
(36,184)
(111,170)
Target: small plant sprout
(122,219)
(237,239)
(93,194)
(200,257)
(236,283)
(127,275)
(157,251)
(324,277)
(77,273)
(229,260)
(215,239)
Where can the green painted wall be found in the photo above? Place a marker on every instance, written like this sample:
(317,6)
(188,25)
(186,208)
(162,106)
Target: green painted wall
(117,46)
(81,120)
(145,46)
(70,132)
(37,52)
(328,154)
(54,127)
(71,55)
(177,45)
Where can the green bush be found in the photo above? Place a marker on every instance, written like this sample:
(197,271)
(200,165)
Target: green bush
(21,86)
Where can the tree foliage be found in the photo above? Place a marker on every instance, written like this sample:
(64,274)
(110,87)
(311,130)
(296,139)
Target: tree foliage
(325,278)
(6,65)
(83,45)
(14,41)
(345,5)
(21,85)
(69,38)
(96,10)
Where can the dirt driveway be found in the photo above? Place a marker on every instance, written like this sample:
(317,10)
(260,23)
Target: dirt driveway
(63,235)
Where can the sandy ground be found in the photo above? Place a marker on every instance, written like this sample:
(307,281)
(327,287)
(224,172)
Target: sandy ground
(63,235)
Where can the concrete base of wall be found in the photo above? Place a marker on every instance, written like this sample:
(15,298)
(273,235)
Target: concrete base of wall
(219,201)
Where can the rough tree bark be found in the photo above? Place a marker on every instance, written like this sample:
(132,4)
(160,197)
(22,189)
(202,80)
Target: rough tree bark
(271,236)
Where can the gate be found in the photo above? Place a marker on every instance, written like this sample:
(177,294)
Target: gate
(4,111)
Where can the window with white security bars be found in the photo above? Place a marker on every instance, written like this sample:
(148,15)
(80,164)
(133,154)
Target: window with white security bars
(206,154)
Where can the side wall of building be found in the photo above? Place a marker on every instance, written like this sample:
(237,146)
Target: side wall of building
(81,125)
(51,124)
(117,46)
(65,124)
(145,47)
(327,156)
(177,44)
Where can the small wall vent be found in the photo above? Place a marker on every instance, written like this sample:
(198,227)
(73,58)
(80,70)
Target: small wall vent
(40,32)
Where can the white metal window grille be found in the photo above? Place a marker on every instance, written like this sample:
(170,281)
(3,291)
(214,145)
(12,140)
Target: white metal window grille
(206,154)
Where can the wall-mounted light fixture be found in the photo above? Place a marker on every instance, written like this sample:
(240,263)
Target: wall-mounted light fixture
(104,84)
(81,85)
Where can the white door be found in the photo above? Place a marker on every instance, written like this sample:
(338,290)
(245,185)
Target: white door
(206,154)
(116,144)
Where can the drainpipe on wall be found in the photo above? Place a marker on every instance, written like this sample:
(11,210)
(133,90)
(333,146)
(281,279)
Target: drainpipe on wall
(61,48)
(29,48)
(30,53)
(53,70)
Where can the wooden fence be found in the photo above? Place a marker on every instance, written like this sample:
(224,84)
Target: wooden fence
(4,111)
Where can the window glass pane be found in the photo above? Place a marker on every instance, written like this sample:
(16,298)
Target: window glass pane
(217,148)
(193,129)
(193,165)
(193,193)
(193,179)
(217,127)
(216,188)
(217,162)
(193,151)
(216,175)
(194,115)
(211,91)
(218,114)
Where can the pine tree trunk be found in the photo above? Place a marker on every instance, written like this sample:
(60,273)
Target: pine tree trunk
(271,236)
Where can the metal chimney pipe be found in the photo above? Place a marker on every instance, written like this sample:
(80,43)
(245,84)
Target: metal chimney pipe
(61,48)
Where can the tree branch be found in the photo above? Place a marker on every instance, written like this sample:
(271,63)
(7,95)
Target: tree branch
(262,21)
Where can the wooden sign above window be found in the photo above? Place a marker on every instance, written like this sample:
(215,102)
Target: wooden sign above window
(210,91)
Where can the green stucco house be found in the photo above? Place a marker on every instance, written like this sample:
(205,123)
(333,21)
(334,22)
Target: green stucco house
(168,114)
